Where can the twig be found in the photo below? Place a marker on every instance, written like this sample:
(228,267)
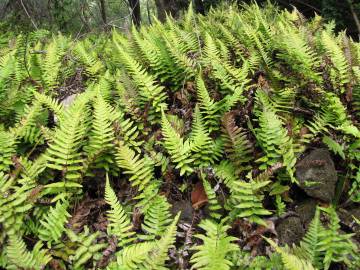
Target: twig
(355,17)
(27,13)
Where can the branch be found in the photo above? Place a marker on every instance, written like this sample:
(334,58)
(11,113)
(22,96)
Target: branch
(27,13)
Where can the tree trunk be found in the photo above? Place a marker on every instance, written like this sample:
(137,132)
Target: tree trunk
(103,11)
(170,7)
(135,12)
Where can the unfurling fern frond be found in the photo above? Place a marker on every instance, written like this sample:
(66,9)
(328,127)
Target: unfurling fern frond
(53,224)
(119,223)
(157,218)
(214,252)
(180,151)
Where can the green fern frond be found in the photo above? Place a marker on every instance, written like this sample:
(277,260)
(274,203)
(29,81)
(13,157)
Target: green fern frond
(140,169)
(290,261)
(214,252)
(156,219)
(202,146)
(119,223)
(53,223)
(86,246)
(19,255)
(214,205)
(208,106)
(63,153)
(180,151)
(338,59)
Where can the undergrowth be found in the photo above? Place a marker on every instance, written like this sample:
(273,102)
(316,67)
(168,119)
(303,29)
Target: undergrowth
(231,101)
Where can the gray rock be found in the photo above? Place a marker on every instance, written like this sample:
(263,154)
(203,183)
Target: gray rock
(306,211)
(290,230)
(186,209)
(317,175)
(66,102)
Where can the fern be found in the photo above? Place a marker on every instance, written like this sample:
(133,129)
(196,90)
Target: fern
(53,224)
(63,154)
(336,247)
(86,248)
(139,169)
(208,106)
(119,223)
(19,256)
(338,59)
(203,149)
(156,219)
(214,252)
(214,205)
(179,150)
(236,144)
(7,150)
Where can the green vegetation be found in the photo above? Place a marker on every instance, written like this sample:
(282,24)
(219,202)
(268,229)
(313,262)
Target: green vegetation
(221,107)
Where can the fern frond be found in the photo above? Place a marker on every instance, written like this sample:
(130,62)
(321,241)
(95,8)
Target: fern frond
(237,147)
(338,59)
(53,224)
(156,219)
(63,153)
(180,151)
(208,106)
(139,169)
(214,205)
(214,252)
(19,255)
(119,223)
(86,246)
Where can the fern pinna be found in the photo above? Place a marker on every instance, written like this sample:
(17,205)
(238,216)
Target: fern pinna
(177,145)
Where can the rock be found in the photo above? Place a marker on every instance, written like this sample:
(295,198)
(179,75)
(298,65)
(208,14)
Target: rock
(290,230)
(317,175)
(306,211)
(186,209)
(66,102)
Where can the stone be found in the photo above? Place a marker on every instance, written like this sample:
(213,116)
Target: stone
(306,211)
(317,175)
(186,209)
(290,230)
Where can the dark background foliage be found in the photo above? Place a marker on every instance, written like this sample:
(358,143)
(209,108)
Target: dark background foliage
(81,16)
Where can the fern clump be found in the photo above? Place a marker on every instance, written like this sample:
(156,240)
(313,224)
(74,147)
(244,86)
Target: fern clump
(178,145)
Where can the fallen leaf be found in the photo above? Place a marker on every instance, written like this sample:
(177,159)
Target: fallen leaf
(198,196)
